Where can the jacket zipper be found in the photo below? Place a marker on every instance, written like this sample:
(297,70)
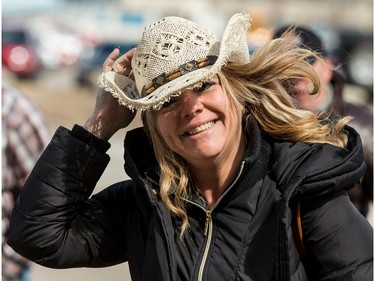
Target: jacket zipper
(208,221)
(208,227)
(208,224)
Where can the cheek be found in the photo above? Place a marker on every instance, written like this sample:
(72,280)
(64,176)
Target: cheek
(161,123)
(218,101)
(221,99)
(166,127)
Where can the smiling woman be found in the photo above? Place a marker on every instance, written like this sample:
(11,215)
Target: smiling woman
(222,159)
(203,126)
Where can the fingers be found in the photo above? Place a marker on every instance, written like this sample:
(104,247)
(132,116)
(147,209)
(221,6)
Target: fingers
(108,63)
(123,64)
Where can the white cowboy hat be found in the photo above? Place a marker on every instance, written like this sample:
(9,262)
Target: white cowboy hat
(175,54)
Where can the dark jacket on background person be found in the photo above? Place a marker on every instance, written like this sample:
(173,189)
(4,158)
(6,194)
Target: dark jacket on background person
(362,194)
(245,236)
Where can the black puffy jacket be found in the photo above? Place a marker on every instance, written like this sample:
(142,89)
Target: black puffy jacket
(245,236)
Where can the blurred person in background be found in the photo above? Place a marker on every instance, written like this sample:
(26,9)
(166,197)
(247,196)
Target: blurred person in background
(223,158)
(330,98)
(24,137)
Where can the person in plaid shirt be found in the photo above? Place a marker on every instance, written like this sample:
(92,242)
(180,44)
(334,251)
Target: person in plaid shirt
(24,137)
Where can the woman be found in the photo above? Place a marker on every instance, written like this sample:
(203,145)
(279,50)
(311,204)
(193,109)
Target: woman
(223,158)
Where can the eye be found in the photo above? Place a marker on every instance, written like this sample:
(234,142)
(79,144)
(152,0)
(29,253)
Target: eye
(205,85)
(169,103)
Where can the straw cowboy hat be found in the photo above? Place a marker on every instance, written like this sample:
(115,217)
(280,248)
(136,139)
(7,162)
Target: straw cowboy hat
(175,54)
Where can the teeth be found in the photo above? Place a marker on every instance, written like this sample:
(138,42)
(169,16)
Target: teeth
(199,129)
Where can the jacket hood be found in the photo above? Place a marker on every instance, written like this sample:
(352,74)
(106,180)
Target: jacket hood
(139,156)
(311,170)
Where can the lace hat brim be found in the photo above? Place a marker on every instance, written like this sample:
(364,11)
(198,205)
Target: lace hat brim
(233,48)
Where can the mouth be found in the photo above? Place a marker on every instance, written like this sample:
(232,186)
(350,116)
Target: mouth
(199,129)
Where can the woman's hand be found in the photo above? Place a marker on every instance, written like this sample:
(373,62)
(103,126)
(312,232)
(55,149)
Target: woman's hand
(109,116)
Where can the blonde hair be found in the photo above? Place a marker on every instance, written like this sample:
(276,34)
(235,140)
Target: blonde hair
(263,86)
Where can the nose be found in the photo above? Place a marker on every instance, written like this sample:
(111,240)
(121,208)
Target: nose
(190,103)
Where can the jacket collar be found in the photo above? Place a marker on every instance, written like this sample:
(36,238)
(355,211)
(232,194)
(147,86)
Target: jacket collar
(141,164)
(293,164)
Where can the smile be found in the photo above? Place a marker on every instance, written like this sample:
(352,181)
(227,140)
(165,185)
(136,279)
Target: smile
(199,129)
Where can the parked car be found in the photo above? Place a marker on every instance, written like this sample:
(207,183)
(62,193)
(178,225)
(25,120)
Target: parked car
(89,67)
(57,46)
(355,54)
(18,52)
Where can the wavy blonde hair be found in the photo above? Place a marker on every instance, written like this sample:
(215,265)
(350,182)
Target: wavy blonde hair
(264,87)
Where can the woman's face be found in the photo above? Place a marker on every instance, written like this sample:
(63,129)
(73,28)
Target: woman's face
(201,124)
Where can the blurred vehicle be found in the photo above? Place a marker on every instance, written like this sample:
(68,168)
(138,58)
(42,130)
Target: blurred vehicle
(18,52)
(355,54)
(57,46)
(90,65)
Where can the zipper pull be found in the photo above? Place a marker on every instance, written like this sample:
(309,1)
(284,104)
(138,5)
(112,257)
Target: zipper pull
(207,223)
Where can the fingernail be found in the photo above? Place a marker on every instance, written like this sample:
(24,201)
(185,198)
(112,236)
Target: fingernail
(118,47)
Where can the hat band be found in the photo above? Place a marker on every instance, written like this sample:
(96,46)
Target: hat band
(166,77)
